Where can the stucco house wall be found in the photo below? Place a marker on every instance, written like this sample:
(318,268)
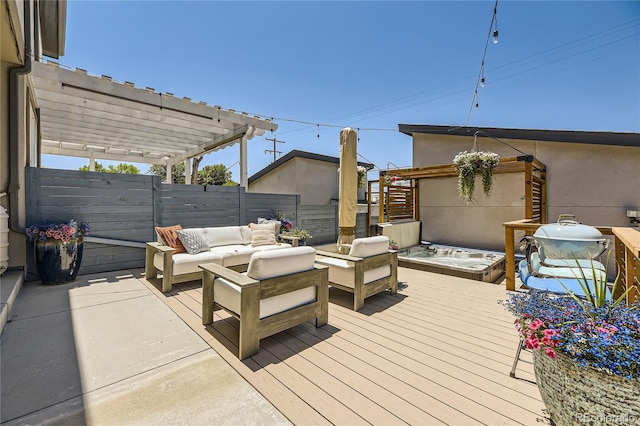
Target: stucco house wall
(315,181)
(597,183)
(312,176)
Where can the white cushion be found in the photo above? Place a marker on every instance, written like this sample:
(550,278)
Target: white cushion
(369,246)
(227,294)
(185,263)
(274,263)
(245,231)
(223,235)
(235,254)
(343,272)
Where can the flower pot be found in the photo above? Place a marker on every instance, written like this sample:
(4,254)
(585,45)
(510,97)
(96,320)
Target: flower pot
(585,395)
(58,262)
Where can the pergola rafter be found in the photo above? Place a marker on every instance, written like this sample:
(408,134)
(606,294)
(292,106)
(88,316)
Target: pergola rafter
(98,118)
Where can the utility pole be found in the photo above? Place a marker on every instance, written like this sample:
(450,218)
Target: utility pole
(274,150)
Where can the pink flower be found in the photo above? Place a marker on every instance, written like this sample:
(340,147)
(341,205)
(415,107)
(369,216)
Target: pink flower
(550,352)
(532,343)
(536,324)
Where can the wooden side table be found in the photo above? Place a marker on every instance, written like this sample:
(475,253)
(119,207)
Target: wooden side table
(290,239)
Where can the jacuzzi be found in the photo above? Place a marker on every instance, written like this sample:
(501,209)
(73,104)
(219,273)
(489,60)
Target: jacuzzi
(479,265)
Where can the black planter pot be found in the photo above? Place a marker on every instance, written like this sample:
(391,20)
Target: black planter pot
(58,262)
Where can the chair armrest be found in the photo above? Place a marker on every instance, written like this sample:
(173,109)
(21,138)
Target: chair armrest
(338,256)
(159,247)
(228,274)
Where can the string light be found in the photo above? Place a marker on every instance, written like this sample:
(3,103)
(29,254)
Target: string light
(493,28)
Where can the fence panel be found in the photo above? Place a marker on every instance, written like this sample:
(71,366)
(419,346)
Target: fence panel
(128,207)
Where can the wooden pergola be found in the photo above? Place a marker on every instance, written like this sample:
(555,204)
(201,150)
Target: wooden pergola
(98,118)
(401,202)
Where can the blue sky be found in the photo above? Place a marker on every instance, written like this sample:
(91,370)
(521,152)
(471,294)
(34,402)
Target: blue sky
(369,65)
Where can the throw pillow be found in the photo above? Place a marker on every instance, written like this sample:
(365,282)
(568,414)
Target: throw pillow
(192,241)
(262,220)
(170,238)
(263,234)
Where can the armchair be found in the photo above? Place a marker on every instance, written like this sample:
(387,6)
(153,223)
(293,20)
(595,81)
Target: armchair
(368,269)
(281,289)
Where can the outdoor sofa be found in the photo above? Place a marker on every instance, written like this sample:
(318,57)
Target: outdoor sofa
(179,251)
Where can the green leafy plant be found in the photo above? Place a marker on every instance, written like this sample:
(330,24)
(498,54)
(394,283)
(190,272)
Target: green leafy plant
(467,165)
(302,234)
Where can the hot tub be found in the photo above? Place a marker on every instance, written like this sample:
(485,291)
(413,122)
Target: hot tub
(461,262)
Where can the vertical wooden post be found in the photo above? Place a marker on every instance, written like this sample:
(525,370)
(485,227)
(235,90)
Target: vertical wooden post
(528,190)
(510,259)
(381,199)
(543,197)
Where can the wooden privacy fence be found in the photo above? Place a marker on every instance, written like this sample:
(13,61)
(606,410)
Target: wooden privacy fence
(402,202)
(123,211)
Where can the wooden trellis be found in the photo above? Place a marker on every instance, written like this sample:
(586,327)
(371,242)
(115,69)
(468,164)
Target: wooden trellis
(400,202)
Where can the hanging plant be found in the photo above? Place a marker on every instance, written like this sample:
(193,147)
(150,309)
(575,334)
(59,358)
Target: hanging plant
(467,165)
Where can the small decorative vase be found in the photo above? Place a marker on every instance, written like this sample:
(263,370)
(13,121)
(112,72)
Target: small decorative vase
(58,262)
(584,395)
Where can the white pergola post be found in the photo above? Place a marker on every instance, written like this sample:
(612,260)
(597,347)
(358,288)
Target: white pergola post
(244,176)
(187,171)
(92,163)
(168,177)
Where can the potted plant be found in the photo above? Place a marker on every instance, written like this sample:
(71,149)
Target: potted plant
(362,177)
(393,245)
(58,248)
(468,164)
(285,223)
(302,235)
(586,352)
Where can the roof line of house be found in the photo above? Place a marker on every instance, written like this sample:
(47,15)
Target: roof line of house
(301,154)
(572,136)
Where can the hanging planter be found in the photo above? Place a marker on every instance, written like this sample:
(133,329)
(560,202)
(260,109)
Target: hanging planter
(468,164)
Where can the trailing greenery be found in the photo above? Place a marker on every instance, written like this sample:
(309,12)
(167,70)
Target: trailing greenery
(467,165)
(303,234)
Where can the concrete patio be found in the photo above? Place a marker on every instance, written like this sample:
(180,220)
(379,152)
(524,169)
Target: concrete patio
(106,350)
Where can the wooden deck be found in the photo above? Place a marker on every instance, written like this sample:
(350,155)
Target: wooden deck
(438,352)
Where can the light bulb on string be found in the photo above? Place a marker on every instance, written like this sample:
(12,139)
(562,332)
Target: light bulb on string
(495,37)
(482,82)
(477,105)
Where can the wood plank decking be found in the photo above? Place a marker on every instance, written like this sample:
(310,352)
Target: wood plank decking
(438,352)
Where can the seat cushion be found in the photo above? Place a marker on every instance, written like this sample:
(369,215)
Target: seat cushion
(343,272)
(235,254)
(369,246)
(274,263)
(185,263)
(227,294)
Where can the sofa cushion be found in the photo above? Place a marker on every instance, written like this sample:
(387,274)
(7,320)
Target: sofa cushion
(236,254)
(263,234)
(185,263)
(274,263)
(223,235)
(369,246)
(192,240)
(170,238)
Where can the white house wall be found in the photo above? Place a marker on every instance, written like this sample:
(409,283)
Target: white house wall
(315,181)
(597,183)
